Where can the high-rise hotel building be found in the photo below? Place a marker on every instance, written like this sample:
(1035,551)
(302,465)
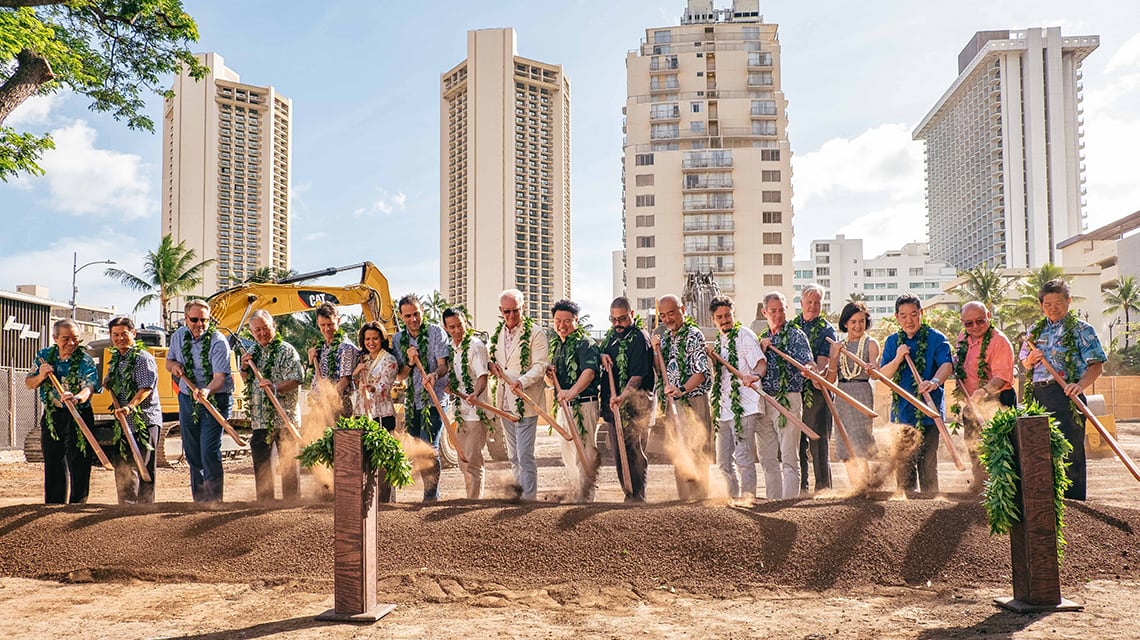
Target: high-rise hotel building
(504,178)
(707,173)
(1004,160)
(226,167)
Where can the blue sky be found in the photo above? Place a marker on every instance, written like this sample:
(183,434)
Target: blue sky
(364,77)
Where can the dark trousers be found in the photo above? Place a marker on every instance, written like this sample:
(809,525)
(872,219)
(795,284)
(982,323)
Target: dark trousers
(1053,398)
(288,467)
(636,437)
(129,485)
(202,446)
(920,473)
(818,417)
(65,466)
(428,433)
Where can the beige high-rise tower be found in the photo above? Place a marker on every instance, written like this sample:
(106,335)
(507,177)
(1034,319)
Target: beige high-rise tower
(504,179)
(226,163)
(707,170)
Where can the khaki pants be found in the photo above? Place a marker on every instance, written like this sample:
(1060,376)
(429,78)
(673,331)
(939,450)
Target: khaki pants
(696,412)
(581,474)
(472,438)
(781,481)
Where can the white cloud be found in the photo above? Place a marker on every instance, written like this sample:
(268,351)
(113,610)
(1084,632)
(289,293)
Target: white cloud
(385,203)
(1112,136)
(1127,57)
(51,267)
(85,180)
(870,187)
(35,111)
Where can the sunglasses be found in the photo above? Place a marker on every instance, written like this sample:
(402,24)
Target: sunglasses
(975,323)
(619,318)
(506,311)
(195,320)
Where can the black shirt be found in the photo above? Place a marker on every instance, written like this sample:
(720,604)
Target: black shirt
(639,359)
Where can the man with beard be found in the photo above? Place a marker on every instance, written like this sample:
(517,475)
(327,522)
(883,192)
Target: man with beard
(930,351)
(816,413)
(199,352)
(737,407)
(67,455)
(687,379)
(280,367)
(335,358)
(625,351)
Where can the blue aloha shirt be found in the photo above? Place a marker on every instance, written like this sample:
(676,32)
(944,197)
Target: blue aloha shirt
(88,376)
(798,349)
(439,346)
(938,353)
(1050,344)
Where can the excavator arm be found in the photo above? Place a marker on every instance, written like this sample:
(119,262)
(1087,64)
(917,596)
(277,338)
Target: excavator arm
(232,306)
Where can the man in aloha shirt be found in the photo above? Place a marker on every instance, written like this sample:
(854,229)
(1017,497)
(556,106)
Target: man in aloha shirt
(794,343)
(283,375)
(340,375)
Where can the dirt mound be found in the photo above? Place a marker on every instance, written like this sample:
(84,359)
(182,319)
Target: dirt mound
(489,553)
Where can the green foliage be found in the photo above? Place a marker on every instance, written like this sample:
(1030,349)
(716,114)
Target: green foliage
(111,51)
(945,320)
(1125,296)
(983,284)
(434,306)
(170,271)
(997,455)
(381,449)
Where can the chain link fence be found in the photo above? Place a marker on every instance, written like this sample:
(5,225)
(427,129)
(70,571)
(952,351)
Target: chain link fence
(19,414)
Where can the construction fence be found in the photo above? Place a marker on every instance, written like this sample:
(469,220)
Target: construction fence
(19,411)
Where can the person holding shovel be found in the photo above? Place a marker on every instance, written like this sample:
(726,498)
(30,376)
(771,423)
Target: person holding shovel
(132,377)
(67,456)
(625,351)
(281,373)
(854,320)
(574,371)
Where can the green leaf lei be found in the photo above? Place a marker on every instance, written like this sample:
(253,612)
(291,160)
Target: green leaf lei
(524,357)
(382,451)
(468,384)
(331,356)
(734,391)
(1069,341)
(812,329)
(425,403)
(121,372)
(207,367)
(983,366)
(681,356)
(263,359)
(566,351)
(997,454)
(919,356)
(70,383)
(783,380)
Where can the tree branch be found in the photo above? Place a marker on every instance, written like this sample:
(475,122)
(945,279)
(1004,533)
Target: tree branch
(32,71)
(17,4)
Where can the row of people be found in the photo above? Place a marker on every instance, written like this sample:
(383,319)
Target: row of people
(523,358)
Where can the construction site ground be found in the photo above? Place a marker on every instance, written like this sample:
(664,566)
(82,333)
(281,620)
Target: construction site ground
(827,566)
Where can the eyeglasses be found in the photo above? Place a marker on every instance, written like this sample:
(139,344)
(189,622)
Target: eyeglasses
(975,323)
(508,311)
(195,320)
(624,318)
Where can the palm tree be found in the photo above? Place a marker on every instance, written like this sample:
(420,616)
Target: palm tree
(1125,296)
(434,306)
(983,284)
(1026,309)
(855,296)
(170,272)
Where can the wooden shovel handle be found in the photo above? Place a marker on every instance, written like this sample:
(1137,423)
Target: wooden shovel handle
(938,422)
(82,424)
(131,441)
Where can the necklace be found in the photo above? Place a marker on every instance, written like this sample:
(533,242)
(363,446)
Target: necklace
(919,352)
(983,366)
(679,353)
(524,358)
(264,359)
(468,383)
(124,387)
(204,359)
(734,388)
(70,383)
(848,368)
(564,354)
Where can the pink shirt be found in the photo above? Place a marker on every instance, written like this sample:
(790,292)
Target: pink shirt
(999,357)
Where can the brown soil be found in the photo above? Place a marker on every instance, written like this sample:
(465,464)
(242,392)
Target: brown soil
(869,566)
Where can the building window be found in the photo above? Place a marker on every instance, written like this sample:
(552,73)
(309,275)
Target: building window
(643,179)
(770,196)
(646,242)
(646,262)
(646,200)
(769,176)
(643,159)
(773,280)
(763,127)
(696,107)
(823,259)
(771,237)
(823,271)
(773,217)
(769,154)
(647,282)
(646,303)
(773,259)
(916,271)
(822,247)
(645,221)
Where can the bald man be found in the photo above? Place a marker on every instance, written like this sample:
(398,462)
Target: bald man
(984,357)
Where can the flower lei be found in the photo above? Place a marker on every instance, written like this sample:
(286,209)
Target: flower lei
(207,367)
(567,352)
(680,356)
(468,383)
(425,403)
(70,382)
(848,367)
(123,385)
(783,381)
(734,391)
(264,360)
(524,357)
(812,329)
(1069,341)
(919,358)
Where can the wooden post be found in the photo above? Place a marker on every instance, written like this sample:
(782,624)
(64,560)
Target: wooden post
(1033,541)
(354,534)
